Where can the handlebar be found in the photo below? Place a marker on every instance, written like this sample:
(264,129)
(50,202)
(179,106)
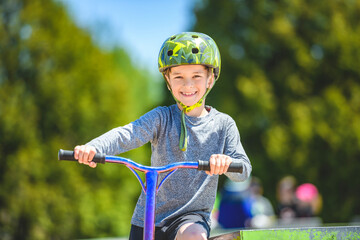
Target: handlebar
(101,158)
(69,156)
(150,186)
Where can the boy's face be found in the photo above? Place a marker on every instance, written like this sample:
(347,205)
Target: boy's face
(189,82)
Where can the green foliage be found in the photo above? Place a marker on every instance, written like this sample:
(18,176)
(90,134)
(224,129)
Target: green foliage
(58,90)
(290,78)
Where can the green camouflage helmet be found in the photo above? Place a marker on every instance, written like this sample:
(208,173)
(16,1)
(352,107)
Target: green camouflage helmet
(190,48)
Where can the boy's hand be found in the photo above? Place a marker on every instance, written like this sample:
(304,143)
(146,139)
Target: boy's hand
(219,164)
(84,154)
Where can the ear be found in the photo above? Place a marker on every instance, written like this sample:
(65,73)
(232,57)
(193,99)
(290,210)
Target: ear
(167,80)
(211,81)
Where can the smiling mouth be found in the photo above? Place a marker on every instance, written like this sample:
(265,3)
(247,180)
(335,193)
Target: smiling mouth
(188,94)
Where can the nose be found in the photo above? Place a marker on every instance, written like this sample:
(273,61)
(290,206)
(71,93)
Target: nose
(188,82)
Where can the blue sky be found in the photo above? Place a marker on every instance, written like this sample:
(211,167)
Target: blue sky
(139,26)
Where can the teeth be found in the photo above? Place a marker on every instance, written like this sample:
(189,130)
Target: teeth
(188,94)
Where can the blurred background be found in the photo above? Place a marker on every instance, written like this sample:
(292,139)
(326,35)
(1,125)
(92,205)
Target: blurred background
(72,70)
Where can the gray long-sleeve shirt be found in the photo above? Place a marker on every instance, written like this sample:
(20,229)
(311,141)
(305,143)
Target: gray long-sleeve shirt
(186,190)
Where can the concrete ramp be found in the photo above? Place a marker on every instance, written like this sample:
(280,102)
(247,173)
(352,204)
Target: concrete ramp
(317,233)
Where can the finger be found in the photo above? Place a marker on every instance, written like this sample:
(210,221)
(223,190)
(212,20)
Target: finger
(89,153)
(80,155)
(222,168)
(92,164)
(212,164)
(219,164)
(208,173)
(85,155)
(228,162)
(92,153)
(216,167)
(76,152)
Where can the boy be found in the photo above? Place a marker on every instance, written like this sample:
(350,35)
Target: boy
(186,131)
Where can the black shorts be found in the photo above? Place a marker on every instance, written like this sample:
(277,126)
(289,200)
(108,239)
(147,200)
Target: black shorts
(171,227)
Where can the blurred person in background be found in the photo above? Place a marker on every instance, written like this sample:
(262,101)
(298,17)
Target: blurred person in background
(286,207)
(233,211)
(298,205)
(262,211)
(309,202)
(243,205)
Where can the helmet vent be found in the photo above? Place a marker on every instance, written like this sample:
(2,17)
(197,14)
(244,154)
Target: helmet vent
(194,36)
(195,50)
(170,53)
(172,38)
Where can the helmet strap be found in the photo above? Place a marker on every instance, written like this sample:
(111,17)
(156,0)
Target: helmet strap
(185,109)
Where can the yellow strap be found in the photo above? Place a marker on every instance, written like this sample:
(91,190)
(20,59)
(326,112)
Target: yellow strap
(186,109)
(183,134)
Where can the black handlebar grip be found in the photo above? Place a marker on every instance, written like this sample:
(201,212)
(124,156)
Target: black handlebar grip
(234,166)
(69,156)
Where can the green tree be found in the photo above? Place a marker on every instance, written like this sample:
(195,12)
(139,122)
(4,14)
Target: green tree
(58,89)
(290,78)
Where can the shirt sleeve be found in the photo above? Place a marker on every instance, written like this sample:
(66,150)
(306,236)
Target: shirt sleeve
(235,150)
(130,136)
